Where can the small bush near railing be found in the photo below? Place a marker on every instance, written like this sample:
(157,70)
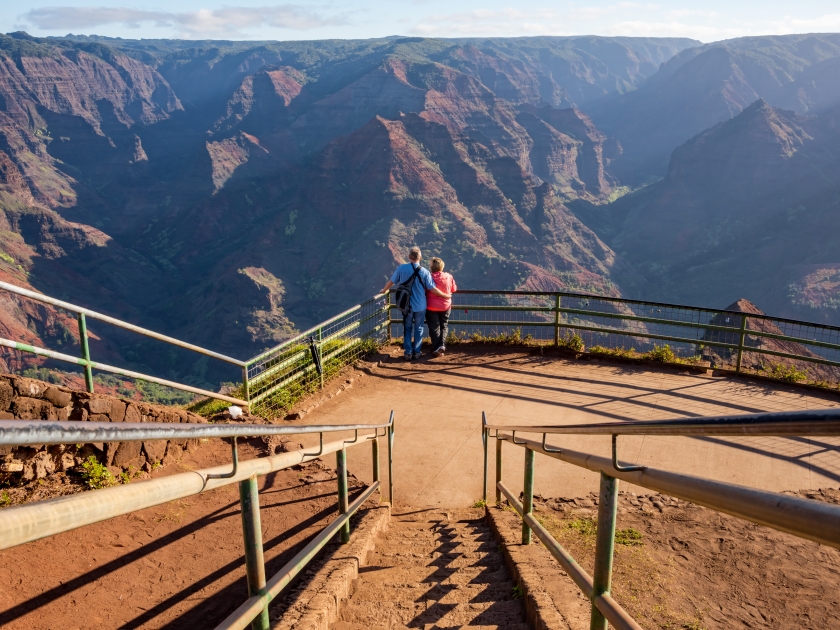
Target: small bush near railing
(96,475)
(787,373)
(663,354)
(621,353)
(572,341)
(511,338)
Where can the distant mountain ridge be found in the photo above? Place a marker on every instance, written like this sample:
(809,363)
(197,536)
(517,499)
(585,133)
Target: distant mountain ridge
(231,192)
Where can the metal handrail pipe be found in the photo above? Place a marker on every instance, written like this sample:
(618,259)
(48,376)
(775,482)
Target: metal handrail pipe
(25,523)
(817,422)
(240,619)
(308,332)
(26,432)
(611,609)
(116,322)
(60,356)
(812,520)
(603,298)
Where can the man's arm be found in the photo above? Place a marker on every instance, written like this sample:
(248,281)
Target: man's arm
(388,285)
(438,292)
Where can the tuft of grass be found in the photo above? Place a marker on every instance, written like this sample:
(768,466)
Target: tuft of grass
(628,536)
(127,475)
(96,475)
(517,592)
(787,373)
(480,503)
(622,353)
(5,500)
(572,341)
(661,353)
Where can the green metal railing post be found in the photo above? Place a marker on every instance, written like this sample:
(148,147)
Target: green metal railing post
(388,313)
(557,320)
(604,547)
(321,354)
(375,452)
(246,393)
(341,471)
(249,500)
(484,443)
(741,341)
(528,494)
(391,461)
(83,341)
(498,469)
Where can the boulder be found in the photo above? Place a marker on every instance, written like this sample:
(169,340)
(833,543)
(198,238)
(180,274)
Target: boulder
(155,450)
(126,454)
(26,408)
(7,392)
(58,397)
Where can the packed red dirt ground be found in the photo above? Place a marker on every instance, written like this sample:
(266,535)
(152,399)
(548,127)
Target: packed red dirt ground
(180,565)
(679,565)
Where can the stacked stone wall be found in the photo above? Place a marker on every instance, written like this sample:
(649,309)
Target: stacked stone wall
(29,399)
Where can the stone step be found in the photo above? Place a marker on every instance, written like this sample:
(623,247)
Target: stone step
(417,615)
(433,592)
(452,560)
(413,575)
(431,546)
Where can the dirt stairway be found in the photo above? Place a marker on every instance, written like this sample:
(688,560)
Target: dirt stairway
(434,570)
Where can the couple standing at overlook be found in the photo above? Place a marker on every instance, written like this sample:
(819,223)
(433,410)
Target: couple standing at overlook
(428,296)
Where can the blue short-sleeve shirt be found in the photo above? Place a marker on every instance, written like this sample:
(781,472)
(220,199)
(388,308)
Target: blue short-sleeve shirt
(418,291)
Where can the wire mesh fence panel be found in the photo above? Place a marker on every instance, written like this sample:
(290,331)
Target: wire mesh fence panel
(281,376)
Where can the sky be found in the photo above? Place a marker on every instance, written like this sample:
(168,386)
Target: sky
(706,21)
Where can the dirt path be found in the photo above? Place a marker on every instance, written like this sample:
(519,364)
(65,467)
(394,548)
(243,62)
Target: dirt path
(438,405)
(178,565)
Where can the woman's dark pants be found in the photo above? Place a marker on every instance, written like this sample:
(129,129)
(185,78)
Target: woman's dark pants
(438,322)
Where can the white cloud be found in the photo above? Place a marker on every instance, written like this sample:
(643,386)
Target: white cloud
(225,22)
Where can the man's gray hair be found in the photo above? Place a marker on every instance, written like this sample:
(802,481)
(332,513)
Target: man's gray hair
(414,253)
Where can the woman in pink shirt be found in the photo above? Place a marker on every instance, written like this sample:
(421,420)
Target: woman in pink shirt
(438,308)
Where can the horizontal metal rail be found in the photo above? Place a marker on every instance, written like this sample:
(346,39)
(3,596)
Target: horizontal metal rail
(808,519)
(24,432)
(308,332)
(817,422)
(116,322)
(25,523)
(241,618)
(7,343)
(617,300)
(611,609)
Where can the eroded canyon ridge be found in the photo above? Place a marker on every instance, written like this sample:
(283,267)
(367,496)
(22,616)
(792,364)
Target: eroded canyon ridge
(229,193)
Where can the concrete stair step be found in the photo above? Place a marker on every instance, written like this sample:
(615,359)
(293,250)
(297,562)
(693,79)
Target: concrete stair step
(412,575)
(417,615)
(455,546)
(433,592)
(451,560)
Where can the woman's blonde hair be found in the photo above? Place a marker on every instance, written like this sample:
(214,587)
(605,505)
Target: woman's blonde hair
(436,264)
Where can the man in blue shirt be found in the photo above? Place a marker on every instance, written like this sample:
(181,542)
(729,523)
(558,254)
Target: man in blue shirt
(413,322)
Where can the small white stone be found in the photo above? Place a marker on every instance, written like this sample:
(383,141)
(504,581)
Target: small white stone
(235,412)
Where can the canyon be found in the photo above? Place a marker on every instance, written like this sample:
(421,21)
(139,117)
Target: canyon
(230,193)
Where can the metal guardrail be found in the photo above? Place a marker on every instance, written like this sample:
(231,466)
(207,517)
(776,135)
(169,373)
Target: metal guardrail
(88,365)
(725,338)
(812,520)
(25,523)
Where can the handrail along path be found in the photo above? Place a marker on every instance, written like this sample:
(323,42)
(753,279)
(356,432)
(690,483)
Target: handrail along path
(809,519)
(25,523)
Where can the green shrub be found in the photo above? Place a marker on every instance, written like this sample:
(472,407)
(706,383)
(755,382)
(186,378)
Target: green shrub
(628,536)
(787,373)
(663,354)
(572,341)
(613,352)
(480,503)
(95,474)
(5,500)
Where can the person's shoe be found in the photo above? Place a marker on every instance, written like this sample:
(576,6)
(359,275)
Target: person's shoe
(416,356)
(407,357)
(440,351)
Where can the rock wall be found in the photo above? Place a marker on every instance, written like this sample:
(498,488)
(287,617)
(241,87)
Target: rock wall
(29,399)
